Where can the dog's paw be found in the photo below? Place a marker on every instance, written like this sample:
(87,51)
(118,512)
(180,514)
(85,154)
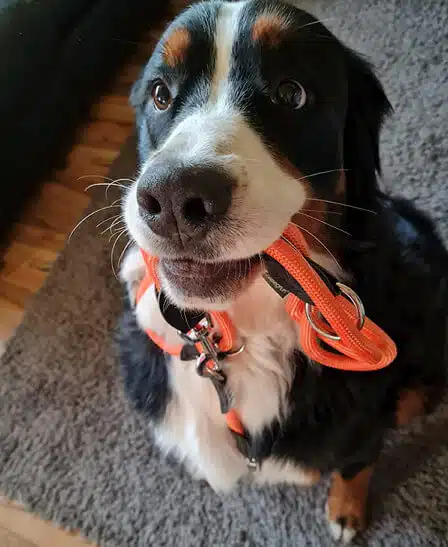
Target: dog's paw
(344,527)
(346,506)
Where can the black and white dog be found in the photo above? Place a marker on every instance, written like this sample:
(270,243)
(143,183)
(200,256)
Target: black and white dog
(252,114)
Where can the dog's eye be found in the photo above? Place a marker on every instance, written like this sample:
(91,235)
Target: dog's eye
(161,96)
(290,93)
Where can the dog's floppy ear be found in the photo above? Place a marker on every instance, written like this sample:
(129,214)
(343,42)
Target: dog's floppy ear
(138,99)
(366,109)
(137,94)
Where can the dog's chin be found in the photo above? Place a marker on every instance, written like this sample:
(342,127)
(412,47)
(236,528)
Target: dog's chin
(205,285)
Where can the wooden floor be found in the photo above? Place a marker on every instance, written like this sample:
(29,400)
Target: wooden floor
(41,233)
(37,240)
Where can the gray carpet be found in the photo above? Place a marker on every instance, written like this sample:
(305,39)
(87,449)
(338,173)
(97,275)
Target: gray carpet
(70,448)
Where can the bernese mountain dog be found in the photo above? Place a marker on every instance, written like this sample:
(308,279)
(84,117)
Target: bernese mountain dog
(252,115)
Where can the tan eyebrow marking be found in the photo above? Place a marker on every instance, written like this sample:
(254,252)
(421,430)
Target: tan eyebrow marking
(176,46)
(269,29)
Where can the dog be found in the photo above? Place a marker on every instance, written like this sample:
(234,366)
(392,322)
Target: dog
(252,115)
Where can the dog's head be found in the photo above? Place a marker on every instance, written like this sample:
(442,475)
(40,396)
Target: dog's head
(246,112)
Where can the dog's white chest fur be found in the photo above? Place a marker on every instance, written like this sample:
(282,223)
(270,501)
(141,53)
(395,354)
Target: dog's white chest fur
(194,427)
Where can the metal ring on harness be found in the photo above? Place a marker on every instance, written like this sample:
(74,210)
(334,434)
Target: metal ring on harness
(235,352)
(354,299)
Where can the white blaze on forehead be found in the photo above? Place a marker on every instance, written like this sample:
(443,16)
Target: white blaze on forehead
(210,126)
(226,31)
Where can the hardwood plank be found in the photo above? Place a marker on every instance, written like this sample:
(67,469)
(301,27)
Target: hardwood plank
(10,318)
(105,134)
(28,530)
(113,108)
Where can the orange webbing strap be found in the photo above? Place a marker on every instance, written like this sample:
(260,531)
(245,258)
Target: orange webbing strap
(234,423)
(220,319)
(152,279)
(359,350)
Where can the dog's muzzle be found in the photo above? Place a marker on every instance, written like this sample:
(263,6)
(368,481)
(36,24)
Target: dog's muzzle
(184,203)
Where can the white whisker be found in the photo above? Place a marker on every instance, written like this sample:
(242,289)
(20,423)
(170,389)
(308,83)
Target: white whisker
(159,296)
(320,242)
(320,21)
(109,219)
(125,180)
(111,182)
(88,216)
(344,205)
(94,177)
(115,232)
(321,173)
(113,250)
(118,220)
(108,184)
(106,178)
(320,211)
(326,223)
(184,312)
(128,244)
(166,304)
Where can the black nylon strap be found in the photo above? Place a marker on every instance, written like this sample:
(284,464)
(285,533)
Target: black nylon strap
(244,445)
(284,282)
(182,320)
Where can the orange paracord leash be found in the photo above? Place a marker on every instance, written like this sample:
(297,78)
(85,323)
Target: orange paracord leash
(361,349)
(333,319)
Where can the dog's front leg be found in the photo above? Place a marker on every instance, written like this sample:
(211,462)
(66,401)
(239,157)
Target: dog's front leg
(347,501)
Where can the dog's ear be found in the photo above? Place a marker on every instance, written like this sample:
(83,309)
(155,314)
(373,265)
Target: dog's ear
(137,95)
(367,108)
(138,99)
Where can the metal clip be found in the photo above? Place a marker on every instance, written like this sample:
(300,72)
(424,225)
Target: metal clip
(252,464)
(214,371)
(208,364)
(219,381)
(201,333)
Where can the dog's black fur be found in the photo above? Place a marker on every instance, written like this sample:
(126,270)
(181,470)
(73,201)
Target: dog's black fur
(396,261)
(339,418)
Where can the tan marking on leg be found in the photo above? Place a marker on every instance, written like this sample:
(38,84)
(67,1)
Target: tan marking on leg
(347,502)
(176,46)
(410,405)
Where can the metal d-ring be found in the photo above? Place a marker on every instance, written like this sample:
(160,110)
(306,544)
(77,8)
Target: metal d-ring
(235,352)
(354,299)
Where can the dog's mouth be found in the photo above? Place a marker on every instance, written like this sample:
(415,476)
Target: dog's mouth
(208,280)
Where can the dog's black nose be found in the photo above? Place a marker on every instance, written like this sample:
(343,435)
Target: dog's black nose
(184,201)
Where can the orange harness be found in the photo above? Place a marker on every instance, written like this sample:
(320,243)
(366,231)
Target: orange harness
(327,312)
